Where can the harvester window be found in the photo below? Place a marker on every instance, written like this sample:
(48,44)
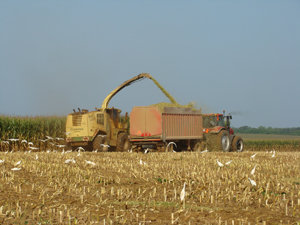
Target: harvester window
(100,119)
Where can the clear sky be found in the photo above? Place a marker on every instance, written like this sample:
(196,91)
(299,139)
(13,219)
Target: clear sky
(241,56)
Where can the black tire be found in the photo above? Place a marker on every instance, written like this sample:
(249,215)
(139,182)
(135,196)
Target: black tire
(123,142)
(170,148)
(98,143)
(223,141)
(237,144)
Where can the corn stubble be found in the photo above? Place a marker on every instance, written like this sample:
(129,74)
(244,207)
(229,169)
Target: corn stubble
(119,190)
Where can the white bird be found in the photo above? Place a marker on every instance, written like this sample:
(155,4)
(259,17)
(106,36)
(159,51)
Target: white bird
(253,155)
(228,162)
(2,161)
(33,148)
(30,143)
(105,145)
(43,140)
(253,170)
(68,151)
(12,139)
(220,164)
(67,133)
(49,137)
(23,141)
(6,152)
(36,157)
(29,151)
(204,151)
(146,151)
(253,183)
(63,152)
(182,194)
(60,139)
(130,151)
(101,135)
(141,162)
(89,162)
(68,160)
(171,143)
(5,142)
(14,169)
(78,153)
(48,151)
(273,154)
(51,143)
(18,163)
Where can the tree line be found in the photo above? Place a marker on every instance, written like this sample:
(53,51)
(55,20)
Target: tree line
(267,130)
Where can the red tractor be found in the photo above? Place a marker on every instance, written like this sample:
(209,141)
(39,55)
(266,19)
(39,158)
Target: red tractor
(218,135)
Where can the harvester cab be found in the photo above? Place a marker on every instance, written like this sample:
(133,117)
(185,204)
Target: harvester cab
(219,135)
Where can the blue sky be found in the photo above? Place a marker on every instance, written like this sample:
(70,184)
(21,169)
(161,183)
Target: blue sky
(241,56)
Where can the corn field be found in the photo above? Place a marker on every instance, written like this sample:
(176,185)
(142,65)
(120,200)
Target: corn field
(135,188)
(35,128)
(267,145)
(31,128)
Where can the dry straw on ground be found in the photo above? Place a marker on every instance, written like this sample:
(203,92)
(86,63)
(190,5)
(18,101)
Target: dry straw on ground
(120,190)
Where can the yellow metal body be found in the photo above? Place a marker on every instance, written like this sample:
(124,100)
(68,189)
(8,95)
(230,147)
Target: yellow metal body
(83,126)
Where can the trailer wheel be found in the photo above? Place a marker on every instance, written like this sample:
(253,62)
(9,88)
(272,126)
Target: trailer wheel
(123,143)
(223,141)
(98,143)
(197,146)
(169,148)
(237,144)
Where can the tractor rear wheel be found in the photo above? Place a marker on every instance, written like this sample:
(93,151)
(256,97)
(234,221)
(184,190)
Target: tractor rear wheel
(100,143)
(223,141)
(237,144)
(123,143)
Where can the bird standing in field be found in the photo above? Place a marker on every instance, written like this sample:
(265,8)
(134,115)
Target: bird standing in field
(273,154)
(253,183)
(182,193)
(220,164)
(253,170)
(228,162)
(253,156)
(15,169)
(12,139)
(2,161)
(89,162)
(18,163)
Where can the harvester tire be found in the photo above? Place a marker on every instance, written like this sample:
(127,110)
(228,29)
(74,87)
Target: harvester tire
(223,141)
(123,143)
(98,143)
(237,144)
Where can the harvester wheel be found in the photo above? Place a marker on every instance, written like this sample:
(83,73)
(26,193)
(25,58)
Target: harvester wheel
(223,141)
(237,144)
(100,143)
(123,143)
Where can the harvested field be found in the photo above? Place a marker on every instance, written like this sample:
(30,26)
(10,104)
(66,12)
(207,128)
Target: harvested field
(137,188)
